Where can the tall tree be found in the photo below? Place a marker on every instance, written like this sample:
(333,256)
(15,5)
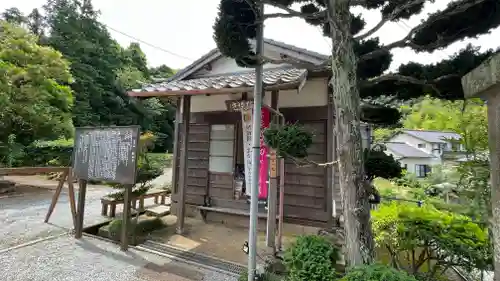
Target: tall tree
(161,72)
(358,62)
(35,97)
(135,57)
(95,60)
(36,23)
(14,15)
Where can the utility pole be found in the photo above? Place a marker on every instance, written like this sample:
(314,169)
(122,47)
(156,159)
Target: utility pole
(257,107)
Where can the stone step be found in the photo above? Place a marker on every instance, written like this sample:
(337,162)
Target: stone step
(158,211)
(7,186)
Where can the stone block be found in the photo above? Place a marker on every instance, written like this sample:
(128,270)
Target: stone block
(7,186)
(483,78)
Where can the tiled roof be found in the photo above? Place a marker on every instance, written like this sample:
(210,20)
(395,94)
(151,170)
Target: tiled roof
(432,136)
(405,150)
(295,48)
(214,53)
(240,80)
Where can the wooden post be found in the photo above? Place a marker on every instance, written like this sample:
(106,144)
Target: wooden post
(175,160)
(81,208)
(126,218)
(68,177)
(181,205)
(272,202)
(281,199)
(330,182)
(57,193)
(71,194)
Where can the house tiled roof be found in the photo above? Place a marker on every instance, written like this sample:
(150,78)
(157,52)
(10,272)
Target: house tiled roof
(238,80)
(406,150)
(215,53)
(295,48)
(432,136)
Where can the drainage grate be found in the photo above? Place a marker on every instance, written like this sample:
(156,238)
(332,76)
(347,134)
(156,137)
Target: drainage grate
(195,257)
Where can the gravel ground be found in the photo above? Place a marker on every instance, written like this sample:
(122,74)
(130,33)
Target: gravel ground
(21,217)
(90,259)
(62,258)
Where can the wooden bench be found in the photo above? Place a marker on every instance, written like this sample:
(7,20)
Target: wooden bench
(109,204)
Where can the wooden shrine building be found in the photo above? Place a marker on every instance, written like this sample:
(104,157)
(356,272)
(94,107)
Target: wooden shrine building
(211,171)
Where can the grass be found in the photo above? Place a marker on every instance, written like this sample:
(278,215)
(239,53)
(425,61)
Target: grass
(389,189)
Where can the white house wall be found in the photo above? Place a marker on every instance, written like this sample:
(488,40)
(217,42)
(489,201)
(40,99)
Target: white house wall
(225,65)
(314,93)
(411,162)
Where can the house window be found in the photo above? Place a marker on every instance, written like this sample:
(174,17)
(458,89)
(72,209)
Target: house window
(221,149)
(422,170)
(421,145)
(439,147)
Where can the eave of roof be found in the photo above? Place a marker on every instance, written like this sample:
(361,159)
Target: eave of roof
(420,134)
(407,151)
(273,79)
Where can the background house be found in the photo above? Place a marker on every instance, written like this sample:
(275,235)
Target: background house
(419,150)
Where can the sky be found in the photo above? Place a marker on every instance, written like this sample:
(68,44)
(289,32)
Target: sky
(175,32)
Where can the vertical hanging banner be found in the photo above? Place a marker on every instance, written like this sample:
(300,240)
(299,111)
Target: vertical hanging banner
(264,151)
(247,119)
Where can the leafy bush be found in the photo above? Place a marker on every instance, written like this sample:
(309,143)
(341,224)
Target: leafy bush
(377,272)
(311,258)
(380,165)
(48,153)
(429,238)
(290,140)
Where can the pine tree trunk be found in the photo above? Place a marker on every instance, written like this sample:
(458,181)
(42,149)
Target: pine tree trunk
(354,191)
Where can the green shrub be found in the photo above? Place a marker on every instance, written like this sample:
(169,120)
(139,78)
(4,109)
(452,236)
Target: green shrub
(377,272)
(48,153)
(311,258)
(424,239)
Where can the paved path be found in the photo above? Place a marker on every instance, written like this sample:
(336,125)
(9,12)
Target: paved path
(31,250)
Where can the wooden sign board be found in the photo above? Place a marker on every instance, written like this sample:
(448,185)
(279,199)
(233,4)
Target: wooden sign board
(273,166)
(106,153)
(239,105)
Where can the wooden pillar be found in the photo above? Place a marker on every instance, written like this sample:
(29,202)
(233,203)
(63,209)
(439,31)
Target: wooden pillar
(126,217)
(175,160)
(181,205)
(82,184)
(272,200)
(330,151)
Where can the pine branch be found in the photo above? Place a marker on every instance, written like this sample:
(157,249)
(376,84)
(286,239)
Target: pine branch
(304,162)
(407,40)
(291,13)
(407,79)
(388,18)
